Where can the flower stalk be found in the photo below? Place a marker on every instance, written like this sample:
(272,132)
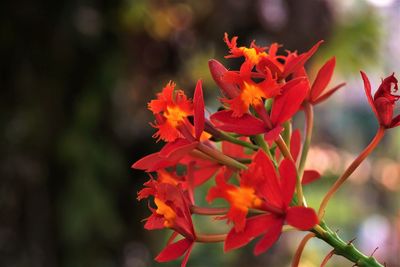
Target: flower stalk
(309,120)
(353,166)
(207,238)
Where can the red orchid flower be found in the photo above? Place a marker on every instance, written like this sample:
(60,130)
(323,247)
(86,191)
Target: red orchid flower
(261,188)
(172,109)
(283,108)
(383,101)
(172,212)
(251,93)
(279,65)
(316,93)
(292,62)
(253,54)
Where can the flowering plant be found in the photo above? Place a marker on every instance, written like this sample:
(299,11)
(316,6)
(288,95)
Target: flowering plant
(252,153)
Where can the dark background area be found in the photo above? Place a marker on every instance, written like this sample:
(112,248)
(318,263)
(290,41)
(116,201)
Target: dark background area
(75,80)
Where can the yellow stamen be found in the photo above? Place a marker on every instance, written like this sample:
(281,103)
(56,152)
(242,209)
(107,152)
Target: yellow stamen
(244,198)
(166,211)
(175,115)
(252,55)
(252,94)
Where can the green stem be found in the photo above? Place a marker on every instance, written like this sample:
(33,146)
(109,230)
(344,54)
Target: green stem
(230,138)
(353,166)
(221,157)
(309,114)
(346,249)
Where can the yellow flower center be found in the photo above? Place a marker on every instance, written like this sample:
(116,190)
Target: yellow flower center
(251,94)
(244,198)
(175,115)
(166,211)
(252,55)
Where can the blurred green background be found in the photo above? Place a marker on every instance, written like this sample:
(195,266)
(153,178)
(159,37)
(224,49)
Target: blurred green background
(75,80)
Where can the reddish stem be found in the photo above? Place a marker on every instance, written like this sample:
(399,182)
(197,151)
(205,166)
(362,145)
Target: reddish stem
(299,251)
(205,238)
(353,166)
(208,211)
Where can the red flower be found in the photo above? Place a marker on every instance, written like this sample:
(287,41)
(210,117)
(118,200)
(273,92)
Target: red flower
(172,212)
(253,54)
(284,107)
(281,66)
(261,188)
(316,93)
(251,93)
(383,101)
(284,66)
(171,111)
(171,108)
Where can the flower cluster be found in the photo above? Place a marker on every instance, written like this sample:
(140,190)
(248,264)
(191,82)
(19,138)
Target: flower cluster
(257,167)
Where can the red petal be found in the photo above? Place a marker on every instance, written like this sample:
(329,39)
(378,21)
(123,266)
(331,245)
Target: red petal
(255,226)
(265,63)
(186,258)
(385,110)
(269,238)
(176,150)
(288,103)
(238,217)
(269,188)
(245,125)
(298,62)
(287,171)
(367,88)
(152,162)
(217,71)
(204,173)
(323,78)
(295,144)
(175,250)
(234,150)
(154,222)
(310,176)
(273,134)
(301,217)
(198,102)
(327,94)
(395,122)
